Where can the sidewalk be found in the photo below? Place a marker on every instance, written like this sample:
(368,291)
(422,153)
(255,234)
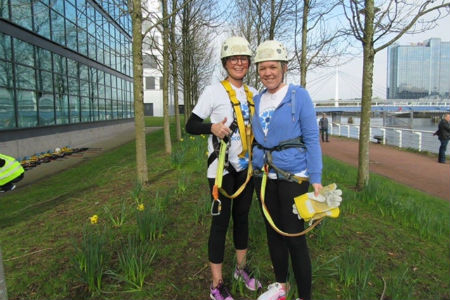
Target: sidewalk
(95,148)
(412,169)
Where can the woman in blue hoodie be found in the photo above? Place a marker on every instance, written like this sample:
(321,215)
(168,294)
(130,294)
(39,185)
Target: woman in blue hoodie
(287,140)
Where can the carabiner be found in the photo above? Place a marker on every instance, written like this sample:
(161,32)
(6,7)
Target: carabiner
(219,207)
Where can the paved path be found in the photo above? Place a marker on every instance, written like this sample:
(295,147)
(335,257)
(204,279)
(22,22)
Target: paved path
(412,169)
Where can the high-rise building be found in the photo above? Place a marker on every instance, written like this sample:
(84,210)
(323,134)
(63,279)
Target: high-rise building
(65,67)
(419,71)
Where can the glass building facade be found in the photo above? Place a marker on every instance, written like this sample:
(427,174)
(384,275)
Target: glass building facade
(419,70)
(64,62)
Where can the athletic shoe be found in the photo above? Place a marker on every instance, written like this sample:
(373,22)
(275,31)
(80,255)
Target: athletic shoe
(220,292)
(246,275)
(274,292)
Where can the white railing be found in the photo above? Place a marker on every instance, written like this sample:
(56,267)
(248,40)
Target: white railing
(420,140)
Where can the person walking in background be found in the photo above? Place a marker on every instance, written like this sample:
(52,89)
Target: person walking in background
(443,134)
(286,138)
(323,125)
(227,120)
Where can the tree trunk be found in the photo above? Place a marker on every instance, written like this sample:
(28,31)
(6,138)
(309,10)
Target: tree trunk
(167,141)
(186,63)
(366,101)
(141,151)
(303,66)
(175,71)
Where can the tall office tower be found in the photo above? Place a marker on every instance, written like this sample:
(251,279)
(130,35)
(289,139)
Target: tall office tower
(419,71)
(65,65)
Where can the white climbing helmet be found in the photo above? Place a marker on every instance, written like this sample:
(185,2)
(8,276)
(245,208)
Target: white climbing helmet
(271,50)
(235,45)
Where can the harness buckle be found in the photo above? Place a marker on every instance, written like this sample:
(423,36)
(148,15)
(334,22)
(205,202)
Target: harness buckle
(219,207)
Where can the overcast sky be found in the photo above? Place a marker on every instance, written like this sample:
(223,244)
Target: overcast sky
(322,85)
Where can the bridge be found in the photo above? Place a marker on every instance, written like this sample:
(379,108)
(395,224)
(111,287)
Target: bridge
(385,106)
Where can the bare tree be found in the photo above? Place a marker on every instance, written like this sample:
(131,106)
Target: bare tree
(383,25)
(174,60)
(320,45)
(165,37)
(135,11)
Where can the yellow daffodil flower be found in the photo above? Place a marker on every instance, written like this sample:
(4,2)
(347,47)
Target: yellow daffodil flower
(94,219)
(140,207)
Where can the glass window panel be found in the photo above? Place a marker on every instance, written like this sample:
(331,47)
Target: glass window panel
(44,81)
(84,88)
(72,67)
(59,64)
(21,13)
(92,47)
(108,112)
(58,34)
(82,41)
(6,74)
(81,18)
(74,109)
(23,53)
(7,112)
(101,109)
(71,31)
(71,14)
(74,88)
(41,15)
(150,83)
(4,12)
(25,78)
(46,110)
(62,109)
(27,108)
(94,109)
(57,5)
(85,111)
(43,59)
(60,82)
(5,46)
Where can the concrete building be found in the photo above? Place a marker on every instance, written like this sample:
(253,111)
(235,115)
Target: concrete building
(65,73)
(419,70)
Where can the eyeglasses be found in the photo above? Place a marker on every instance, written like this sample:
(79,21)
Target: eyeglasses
(243,59)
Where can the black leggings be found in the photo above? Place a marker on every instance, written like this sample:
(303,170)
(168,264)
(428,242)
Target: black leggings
(239,208)
(279,198)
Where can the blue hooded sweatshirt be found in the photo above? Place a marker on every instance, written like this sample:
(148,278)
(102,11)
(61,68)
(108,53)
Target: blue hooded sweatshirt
(294,117)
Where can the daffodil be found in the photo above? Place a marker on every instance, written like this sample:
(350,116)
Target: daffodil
(140,207)
(94,219)
(181,139)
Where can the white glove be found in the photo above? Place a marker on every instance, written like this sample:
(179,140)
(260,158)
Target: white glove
(329,194)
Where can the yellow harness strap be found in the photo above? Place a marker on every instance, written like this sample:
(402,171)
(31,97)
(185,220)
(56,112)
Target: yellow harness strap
(244,130)
(267,214)
(246,137)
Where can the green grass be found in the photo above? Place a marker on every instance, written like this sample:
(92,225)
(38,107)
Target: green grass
(388,234)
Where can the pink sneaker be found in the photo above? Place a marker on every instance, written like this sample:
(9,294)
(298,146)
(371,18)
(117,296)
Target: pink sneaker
(274,292)
(246,275)
(220,292)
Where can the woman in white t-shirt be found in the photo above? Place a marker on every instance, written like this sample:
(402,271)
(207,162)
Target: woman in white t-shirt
(215,103)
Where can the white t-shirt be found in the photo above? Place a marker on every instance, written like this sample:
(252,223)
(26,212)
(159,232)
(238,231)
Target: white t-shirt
(215,104)
(269,102)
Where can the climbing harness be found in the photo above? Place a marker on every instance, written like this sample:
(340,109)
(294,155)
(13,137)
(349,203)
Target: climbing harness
(246,135)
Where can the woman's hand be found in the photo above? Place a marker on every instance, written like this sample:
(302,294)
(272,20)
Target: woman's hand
(317,187)
(220,129)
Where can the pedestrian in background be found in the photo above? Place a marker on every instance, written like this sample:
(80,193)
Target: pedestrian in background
(443,134)
(286,138)
(323,125)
